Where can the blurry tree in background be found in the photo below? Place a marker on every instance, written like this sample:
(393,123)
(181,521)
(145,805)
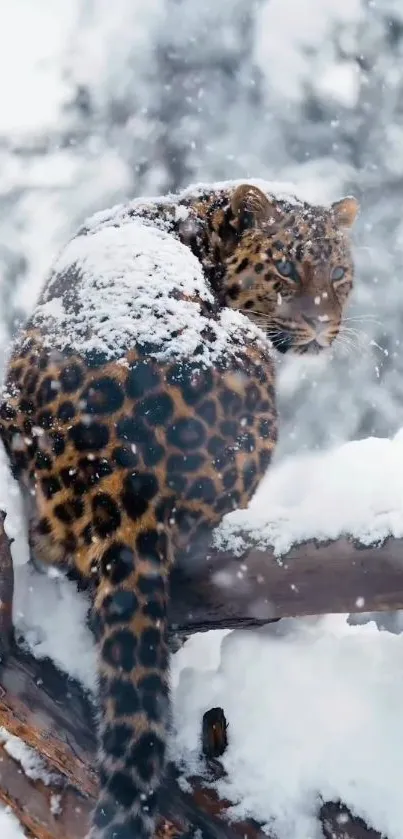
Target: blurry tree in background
(104,101)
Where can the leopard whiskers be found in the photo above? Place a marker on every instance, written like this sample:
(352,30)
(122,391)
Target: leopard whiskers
(352,341)
(257,317)
(345,345)
(368,318)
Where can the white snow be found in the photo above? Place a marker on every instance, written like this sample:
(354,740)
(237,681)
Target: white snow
(354,489)
(292,42)
(10,828)
(314,711)
(44,603)
(31,763)
(341,81)
(290,191)
(32,86)
(128,275)
(314,705)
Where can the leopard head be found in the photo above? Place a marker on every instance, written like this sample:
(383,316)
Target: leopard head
(289,267)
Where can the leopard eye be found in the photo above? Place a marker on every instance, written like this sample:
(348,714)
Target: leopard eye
(285,268)
(337,274)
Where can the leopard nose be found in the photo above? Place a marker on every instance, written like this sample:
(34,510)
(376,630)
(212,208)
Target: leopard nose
(318,323)
(319,326)
(311,321)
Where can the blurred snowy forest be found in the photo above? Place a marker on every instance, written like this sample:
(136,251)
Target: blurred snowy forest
(103,101)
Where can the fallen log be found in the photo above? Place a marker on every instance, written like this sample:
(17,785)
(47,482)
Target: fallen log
(51,714)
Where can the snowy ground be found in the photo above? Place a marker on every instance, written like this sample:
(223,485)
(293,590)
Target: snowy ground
(314,705)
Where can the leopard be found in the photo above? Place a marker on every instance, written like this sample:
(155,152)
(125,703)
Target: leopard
(139,408)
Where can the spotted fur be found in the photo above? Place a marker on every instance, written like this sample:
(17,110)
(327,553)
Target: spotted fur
(128,464)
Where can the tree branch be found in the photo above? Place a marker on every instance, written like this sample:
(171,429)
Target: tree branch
(314,578)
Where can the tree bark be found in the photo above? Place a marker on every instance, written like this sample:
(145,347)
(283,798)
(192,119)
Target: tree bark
(51,713)
(314,578)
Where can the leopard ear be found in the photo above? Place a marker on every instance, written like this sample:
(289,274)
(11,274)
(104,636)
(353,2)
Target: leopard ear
(250,206)
(345,211)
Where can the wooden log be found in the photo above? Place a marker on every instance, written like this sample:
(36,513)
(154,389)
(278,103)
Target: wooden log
(46,810)
(50,712)
(314,578)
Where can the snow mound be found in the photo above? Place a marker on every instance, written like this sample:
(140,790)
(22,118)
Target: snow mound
(355,489)
(314,712)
